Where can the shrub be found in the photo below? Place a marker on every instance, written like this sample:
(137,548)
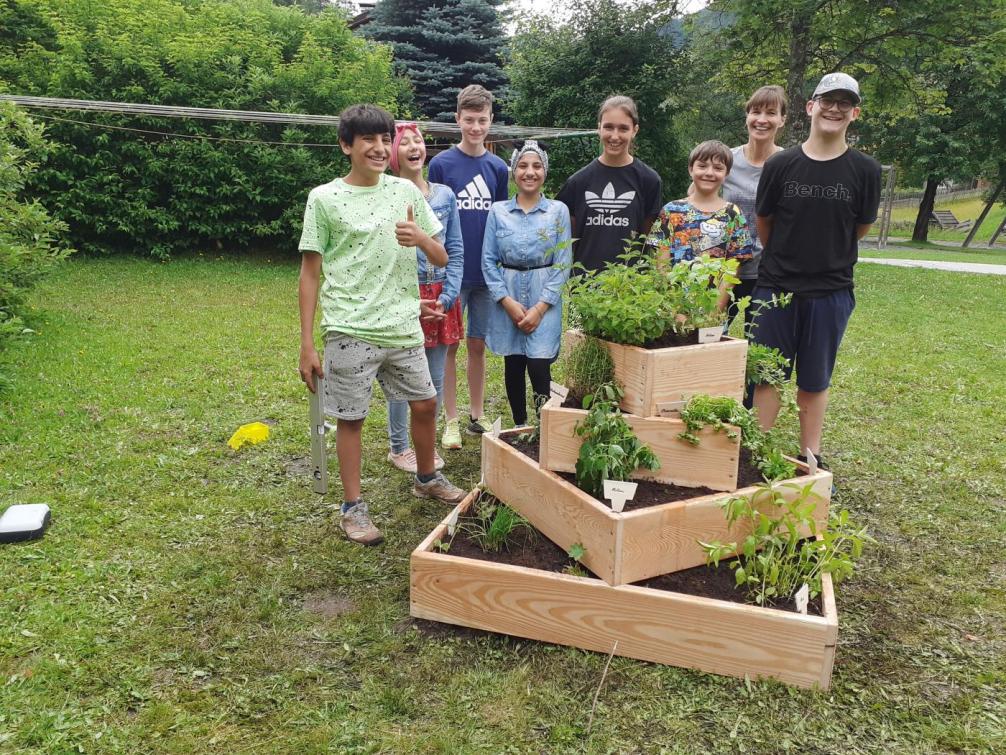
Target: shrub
(124,191)
(28,235)
(588,367)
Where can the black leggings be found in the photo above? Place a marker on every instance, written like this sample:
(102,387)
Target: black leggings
(540,372)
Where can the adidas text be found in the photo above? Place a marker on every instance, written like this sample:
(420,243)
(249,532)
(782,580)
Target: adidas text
(474,203)
(606,220)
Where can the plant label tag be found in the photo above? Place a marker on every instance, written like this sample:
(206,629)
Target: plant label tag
(711,335)
(494,431)
(452,522)
(558,390)
(669,408)
(811,461)
(801,598)
(618,492)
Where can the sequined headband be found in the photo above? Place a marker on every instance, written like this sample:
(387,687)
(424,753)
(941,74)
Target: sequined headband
(529,146)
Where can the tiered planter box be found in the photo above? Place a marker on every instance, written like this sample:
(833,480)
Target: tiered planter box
(636,622)
(711,464)
(659,381)
(619,547)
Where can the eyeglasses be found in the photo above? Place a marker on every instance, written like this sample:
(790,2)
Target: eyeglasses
(827,103)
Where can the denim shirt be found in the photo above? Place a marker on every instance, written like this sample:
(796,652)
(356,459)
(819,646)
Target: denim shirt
(445,207)
(526,239)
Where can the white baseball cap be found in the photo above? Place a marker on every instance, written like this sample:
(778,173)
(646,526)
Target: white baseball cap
(834,82)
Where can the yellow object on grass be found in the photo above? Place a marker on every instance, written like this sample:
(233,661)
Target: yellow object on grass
(253,432)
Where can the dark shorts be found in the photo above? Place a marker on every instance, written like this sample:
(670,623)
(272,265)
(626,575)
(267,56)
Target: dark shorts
(808,332)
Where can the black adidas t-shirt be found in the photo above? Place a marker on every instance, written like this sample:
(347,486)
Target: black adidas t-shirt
(608,205)
(815,206)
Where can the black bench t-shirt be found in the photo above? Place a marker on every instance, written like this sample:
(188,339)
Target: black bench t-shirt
(815,207)
(608,205)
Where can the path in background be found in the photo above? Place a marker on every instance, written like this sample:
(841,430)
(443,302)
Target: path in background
(957,267)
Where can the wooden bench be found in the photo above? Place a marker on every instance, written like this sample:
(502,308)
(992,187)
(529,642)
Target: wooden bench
(945,220)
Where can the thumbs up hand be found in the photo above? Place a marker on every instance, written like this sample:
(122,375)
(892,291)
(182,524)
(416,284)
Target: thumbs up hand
(408,233)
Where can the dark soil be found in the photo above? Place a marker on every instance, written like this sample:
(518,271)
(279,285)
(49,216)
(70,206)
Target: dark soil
(533,550)
(654,493)
(670,340)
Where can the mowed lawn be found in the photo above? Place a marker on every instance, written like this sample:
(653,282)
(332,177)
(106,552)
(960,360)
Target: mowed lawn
(192,599)
(903,219)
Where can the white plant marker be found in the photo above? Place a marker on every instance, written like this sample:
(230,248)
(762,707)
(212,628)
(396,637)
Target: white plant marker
(711,335)
(811,460)
(452,522)
(618,492)
(801,598)
(670,408)
(494,431)
(556,389)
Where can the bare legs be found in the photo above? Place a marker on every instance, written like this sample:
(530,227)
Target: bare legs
(812,405)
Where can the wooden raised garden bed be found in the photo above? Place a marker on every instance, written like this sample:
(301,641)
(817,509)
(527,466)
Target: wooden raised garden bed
(712,463)
(659,381)
(648,624)
(619,547)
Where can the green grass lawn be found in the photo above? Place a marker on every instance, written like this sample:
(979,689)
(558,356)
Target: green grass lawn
(191,599)
(903,220)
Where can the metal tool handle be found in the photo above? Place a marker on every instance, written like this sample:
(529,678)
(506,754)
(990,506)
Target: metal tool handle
(319,457)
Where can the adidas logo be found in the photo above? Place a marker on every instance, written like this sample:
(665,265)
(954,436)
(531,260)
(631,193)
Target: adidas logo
(475,196)
(608,205)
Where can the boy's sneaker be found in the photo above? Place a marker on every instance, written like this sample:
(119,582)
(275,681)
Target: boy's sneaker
(439,488)
(358,527)
(478,426)
(452,434)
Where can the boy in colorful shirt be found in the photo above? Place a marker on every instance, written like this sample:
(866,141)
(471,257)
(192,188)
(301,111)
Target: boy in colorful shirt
(359,239)
(478,178)
(703,223)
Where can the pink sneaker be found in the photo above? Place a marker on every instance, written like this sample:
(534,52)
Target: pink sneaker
(406,461)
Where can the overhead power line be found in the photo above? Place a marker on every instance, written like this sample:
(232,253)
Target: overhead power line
(497,132)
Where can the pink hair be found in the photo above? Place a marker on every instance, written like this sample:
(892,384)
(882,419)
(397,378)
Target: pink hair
(400,129)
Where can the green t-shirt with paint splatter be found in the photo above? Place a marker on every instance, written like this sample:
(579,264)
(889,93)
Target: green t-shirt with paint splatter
(369,287)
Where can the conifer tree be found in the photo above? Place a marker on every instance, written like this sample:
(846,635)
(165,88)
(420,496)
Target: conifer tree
(442,46)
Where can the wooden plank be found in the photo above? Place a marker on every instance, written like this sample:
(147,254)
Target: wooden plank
(651,625)
(712,463)
(620,547)
(655,379)
(664,539)
(562,512)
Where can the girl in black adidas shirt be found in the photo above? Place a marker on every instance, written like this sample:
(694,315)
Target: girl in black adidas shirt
(616,195)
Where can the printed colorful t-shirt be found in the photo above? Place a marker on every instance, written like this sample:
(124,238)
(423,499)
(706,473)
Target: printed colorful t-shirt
(477,182)
(683,232)
(370,285)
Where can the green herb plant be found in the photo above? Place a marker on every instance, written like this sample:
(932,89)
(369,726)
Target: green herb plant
(576,552)
(494,525)
(765,365)
(588,366)
(610,450)
(721,413)
(694,289)
(776,560)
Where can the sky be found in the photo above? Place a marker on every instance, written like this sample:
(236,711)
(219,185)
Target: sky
(542,6)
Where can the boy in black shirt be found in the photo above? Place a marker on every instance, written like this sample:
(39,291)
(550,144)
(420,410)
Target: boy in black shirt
(815,202)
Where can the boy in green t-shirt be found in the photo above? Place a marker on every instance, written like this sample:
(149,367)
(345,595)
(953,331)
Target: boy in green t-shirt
(359,236)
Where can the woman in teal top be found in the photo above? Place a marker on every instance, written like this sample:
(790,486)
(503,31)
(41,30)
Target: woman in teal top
(526,258)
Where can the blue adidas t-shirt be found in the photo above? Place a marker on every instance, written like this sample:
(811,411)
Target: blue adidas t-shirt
(477,182)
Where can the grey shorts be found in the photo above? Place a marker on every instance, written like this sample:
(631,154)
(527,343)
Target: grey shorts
(351,366)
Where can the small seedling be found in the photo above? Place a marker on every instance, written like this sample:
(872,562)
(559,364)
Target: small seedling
(495,525)
(576,552)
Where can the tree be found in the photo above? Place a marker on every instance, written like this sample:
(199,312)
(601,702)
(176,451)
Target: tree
(442,46)
(561,71)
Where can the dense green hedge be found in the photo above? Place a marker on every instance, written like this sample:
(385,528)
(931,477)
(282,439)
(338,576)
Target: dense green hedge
(28,235)
(122,191)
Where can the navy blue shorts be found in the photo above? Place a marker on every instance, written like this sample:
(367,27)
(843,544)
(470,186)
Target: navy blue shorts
(807,332)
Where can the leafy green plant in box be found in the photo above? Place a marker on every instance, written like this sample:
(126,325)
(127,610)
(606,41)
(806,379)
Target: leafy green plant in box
(776,560)
(694,289)
(720,412)
(588,366)
(610,450)
(495,525)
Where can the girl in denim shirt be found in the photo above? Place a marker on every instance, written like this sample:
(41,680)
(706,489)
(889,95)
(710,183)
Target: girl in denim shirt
(526,258)
(440,308)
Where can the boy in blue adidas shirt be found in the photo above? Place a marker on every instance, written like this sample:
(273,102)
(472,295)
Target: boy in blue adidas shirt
(478,178)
